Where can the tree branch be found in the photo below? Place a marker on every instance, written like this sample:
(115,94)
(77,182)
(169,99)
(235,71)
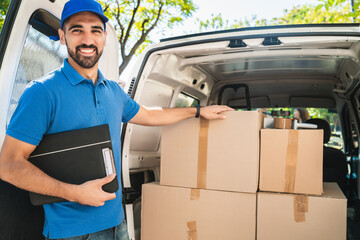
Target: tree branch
(106,7)
(131,23)
(117,17)
(145,34)
(143,25)
(126,58)
(156,21)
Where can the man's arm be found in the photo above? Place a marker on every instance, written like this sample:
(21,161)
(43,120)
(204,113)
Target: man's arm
(166,116)
(17,170)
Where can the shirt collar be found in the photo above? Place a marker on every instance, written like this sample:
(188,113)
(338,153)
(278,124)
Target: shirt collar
(75,78)
(101,78)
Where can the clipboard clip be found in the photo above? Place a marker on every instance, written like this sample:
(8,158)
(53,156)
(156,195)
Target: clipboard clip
(108,161)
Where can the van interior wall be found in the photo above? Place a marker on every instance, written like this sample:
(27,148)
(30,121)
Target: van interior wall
(168,74)
(160,85)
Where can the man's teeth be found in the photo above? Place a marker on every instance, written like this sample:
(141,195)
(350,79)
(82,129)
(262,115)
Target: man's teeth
(87,50)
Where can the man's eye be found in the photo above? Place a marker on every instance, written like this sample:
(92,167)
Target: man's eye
(76,30)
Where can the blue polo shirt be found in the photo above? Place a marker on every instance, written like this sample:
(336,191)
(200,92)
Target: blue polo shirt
(64,100)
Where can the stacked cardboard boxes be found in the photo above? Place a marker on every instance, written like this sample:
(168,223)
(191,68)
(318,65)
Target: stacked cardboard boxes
(291,161)
(298,217)
(292,202)
(210,178)
(179,213)
(218,154)
(208,183)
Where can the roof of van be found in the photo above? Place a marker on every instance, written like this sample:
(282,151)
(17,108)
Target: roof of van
(333,29)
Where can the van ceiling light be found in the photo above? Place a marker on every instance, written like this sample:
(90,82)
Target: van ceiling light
(269,41)
(237,43)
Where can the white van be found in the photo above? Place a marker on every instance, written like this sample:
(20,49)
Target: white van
(288,67)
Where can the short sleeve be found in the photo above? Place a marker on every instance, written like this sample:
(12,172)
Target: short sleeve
(32,116)
(131,107)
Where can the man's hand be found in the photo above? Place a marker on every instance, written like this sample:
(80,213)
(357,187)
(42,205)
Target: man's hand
(91,192)
(214,111)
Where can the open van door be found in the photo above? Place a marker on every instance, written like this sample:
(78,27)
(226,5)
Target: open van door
(27,53)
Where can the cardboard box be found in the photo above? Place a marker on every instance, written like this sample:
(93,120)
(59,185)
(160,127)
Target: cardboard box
(178,213)
(291,161)
(215,154)
(297,217)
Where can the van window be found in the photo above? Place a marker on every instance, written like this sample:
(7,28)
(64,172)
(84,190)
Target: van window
(185,100)
(336,138)
(40,55)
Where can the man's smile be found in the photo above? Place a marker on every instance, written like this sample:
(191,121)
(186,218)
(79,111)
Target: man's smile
(84,55)
(87,50)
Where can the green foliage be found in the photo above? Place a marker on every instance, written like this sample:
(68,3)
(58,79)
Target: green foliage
(326,11)
(332,118)
(318,112)
(4,4)
(322,113)
(186,101)
(133,20)
(218,23)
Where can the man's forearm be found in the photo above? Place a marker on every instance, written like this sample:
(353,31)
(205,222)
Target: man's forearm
(166,116)
(25,175)
(17,170)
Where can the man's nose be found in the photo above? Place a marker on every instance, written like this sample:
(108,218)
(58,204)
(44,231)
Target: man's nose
(87,39)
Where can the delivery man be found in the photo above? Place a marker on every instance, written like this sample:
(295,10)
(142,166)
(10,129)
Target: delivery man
(72,97)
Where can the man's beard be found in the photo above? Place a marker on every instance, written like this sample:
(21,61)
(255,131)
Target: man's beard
(85,62)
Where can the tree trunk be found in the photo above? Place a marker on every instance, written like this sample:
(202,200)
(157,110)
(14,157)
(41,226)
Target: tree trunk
(124,64)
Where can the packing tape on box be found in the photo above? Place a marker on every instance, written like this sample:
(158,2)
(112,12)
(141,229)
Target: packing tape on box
(202,153)
(194,194)
(291,161)
(301,206)
(191,230)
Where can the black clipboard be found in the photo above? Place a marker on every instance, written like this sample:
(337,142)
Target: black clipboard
(75,157)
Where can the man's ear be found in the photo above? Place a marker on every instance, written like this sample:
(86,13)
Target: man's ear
(62,36)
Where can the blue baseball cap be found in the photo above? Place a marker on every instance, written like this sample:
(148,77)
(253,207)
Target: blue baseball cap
(75,6)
